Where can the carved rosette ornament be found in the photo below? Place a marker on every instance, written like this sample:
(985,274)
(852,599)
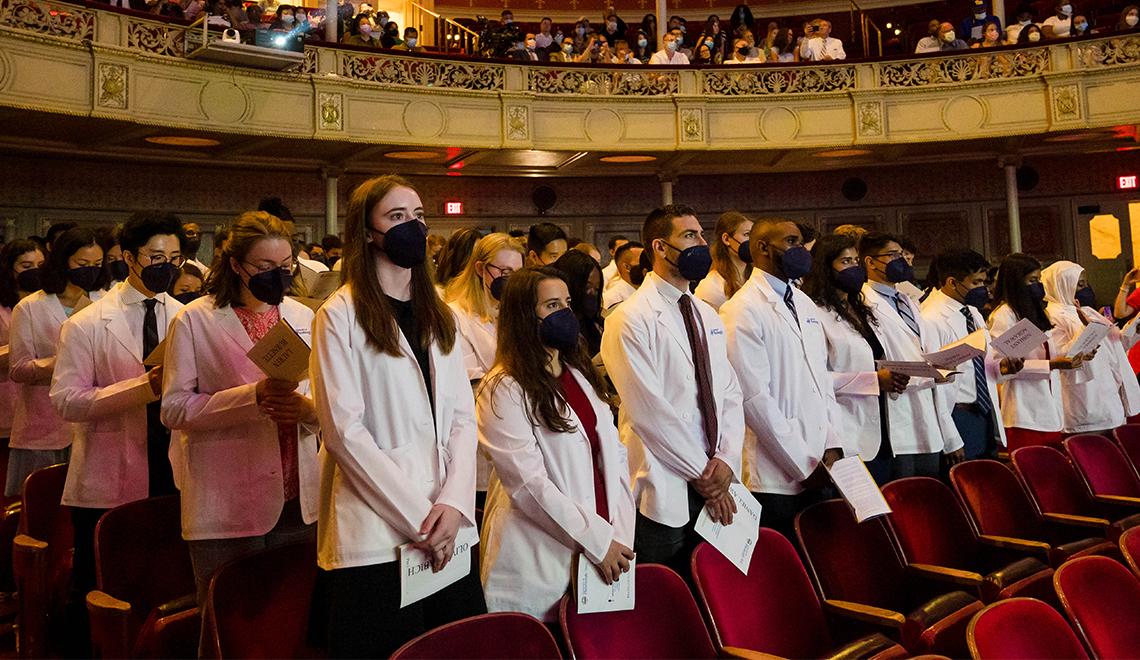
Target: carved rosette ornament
(1066,103)
(112,87)
(870,118)
(692,125)
(331,105)
(518,122)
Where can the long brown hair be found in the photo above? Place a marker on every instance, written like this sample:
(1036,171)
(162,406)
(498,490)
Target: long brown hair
(727,223)
(373,311)
(522,355)
(249,228)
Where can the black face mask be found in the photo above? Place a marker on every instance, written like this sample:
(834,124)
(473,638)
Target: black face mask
(271,286)
(406,243)
(328,261)
(192,245)
(744,51)
(159,277)
(591,306)
(85,277)
(29,280)
(187,297)
(120,270)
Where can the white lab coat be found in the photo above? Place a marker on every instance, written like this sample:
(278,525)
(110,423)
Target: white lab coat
(919,417)
(944,318)
(100,383)
(788,395)
(711,290)
(479,340)
(1031,398)
(646,352)
(1118,342)
(8,388)
(232,482)
(615,295)
(610,275)
(384,463)
(541,508)
(32,346)
(855,380)
(1090,396)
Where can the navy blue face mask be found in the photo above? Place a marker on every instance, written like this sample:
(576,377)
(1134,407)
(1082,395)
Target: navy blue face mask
(851,280)
(694,262)
(795,262)
(406,243)
(498,283)
(85,277)
(559,330)
(744,251)
(898,270)
(120,270)
(1036,291)
(270,286)
(976,297)
(1086,296)
(187,297)
(29,280)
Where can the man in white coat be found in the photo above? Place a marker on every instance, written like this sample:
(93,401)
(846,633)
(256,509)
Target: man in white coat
(777,346)
(626,257)
(951,313)
(921,427)
(610,275)
(120,453)
(681,416)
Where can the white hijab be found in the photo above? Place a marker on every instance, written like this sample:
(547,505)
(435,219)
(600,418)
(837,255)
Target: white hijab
(1060,280)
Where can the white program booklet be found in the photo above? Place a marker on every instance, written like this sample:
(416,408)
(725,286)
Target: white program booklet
(951,355)
(1091,337)
(594,595)
(857,486)
(738,540)
(417,581)
(1020,340)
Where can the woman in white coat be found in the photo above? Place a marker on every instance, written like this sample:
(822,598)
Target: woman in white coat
(731,257)
(40,437)
(17,257)
(1030,400)
(398,430)
(1090,395)
(835,283)
(248,451)
(562,476)
(474,297)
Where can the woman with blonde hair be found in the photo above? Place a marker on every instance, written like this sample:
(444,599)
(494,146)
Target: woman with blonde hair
(730,255)
(248,451)
(398,430)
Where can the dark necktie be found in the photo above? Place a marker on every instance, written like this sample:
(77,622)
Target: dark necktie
(903,307)
(980,383)
(157,436)
(700,351)
(791,303)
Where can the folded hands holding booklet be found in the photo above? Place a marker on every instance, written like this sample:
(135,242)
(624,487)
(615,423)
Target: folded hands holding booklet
(737,540)
(282,353)
(592,594)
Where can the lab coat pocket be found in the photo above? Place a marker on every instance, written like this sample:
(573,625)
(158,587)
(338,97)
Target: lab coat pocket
(409,460)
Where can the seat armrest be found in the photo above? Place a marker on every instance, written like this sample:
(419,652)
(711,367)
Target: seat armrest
(865,613)
(876,646)
(1079,521)
(111,635)
(1021,545)
(1118,499)
(29,567)
(746,654)
(945,574)
(940,607)
(1018,570)
(177,605)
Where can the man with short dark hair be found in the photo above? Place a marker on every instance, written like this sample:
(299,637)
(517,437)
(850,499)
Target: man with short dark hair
(332,246)
(952,312)
(609,273)
(545,243)
(193,233)
(681,404)
(55,230)
(627,256)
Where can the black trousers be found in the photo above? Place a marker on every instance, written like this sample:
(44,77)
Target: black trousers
(365,619)
(778,512)
(656,543)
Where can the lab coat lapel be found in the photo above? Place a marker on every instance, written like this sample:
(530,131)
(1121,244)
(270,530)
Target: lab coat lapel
(777,302)
(673,323)
(232,326)
(115,314)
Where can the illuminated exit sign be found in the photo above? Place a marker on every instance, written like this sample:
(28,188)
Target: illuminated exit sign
(456,208)
(1126,182)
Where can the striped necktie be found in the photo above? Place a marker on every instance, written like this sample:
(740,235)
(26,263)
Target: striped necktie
(903,307)
(980,383)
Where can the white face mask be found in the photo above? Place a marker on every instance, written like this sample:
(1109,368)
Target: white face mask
(287,19)
(642,43)
(612,26)
(567,48)
(671,45)
(366,29)
(531,44)
(948,37)
(1080,27)
(1131,20)
(1035,37)
(411,42)
(1067,10)
(1025,22)
(979,14)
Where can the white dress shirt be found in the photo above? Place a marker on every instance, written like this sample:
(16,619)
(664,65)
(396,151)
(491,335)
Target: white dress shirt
(662,57)
(615,295)
(816,48)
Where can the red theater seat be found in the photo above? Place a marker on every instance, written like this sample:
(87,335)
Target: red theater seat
(1102,600)
(258,606)
(41,560)
(506,635)
(1060,494)
(1128,437)
(861,576)
(665,623)
(1105,469)
(144,606)
(1130,548)
(1003,516)
(937,543)
(774,609)
(1022,629)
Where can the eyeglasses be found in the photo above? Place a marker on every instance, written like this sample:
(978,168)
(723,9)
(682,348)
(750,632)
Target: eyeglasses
(897,254)
(156,259)
(265,268)
(507,272)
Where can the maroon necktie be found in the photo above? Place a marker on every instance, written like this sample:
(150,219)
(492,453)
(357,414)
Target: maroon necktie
(700,351)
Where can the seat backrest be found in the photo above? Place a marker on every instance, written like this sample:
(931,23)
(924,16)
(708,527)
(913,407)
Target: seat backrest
(1102,464)
(774,609)
(42,516)
(1102,599)
(665,623)
(1128,437)
(140,556)
(850,560)
(258,606)
(1130,548)
(1051,480)
(930,524)
(1022,629)
(507,635)
(995,500)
